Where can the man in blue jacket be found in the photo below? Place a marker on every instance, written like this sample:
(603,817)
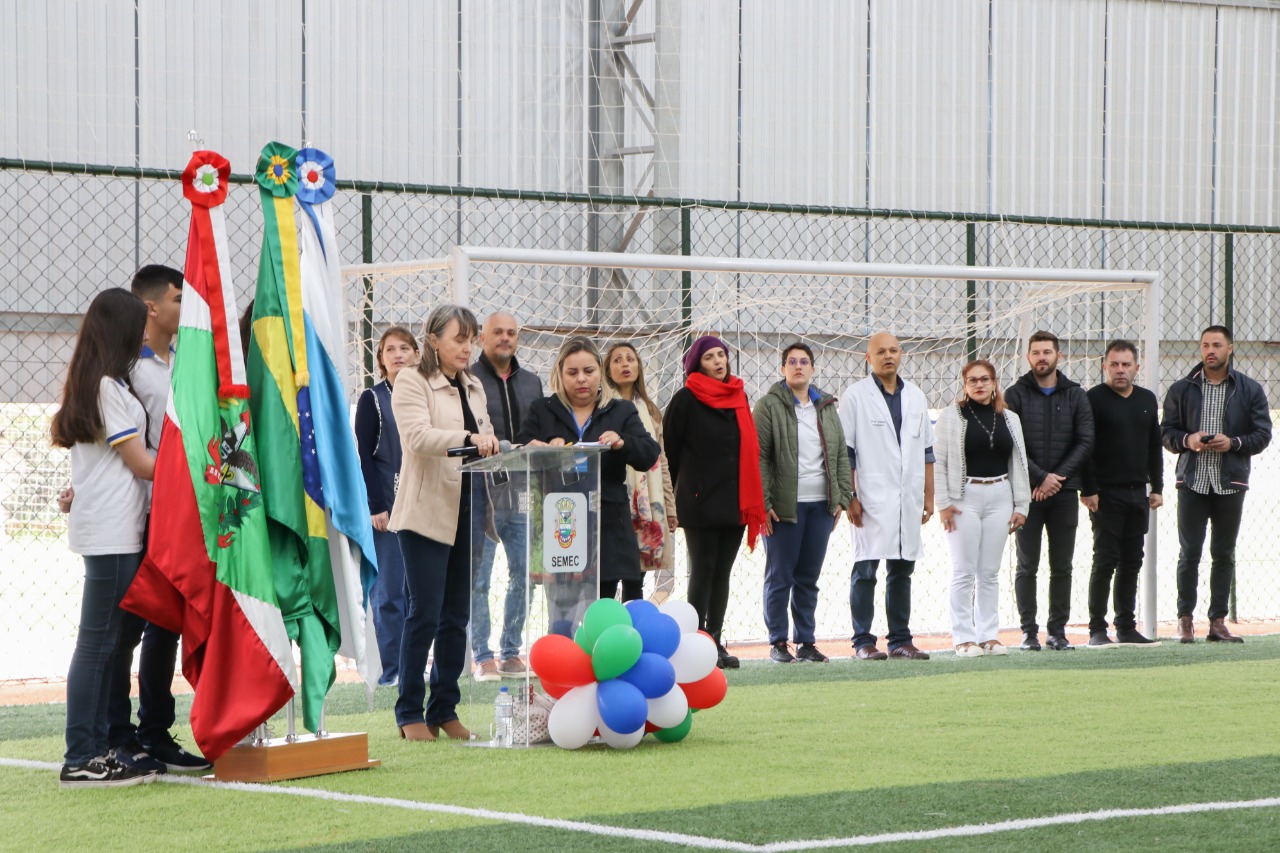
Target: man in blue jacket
(1215,419)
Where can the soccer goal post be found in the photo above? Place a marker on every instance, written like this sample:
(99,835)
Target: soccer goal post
(944,315)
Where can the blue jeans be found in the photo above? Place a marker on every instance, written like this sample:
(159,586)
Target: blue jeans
(897,601)
(388,604)
(89,681)
(438,586)
(156,664)
(512,530)
(793,561)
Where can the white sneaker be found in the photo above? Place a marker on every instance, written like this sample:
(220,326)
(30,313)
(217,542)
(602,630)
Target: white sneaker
(969,650)
(993,647)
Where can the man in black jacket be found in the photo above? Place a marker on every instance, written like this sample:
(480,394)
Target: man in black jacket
(509,392)
(1126,460)
(1057,427)
(1215,420)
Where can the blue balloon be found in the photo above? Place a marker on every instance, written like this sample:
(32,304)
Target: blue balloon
(641,610)
(622,706)
(660,634)
(653,675)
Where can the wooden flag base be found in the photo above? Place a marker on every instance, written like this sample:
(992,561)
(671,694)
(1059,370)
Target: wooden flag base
(277,759)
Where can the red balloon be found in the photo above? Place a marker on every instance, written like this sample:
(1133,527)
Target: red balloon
(555,691)
(560,660)
(650,728)
(706,692)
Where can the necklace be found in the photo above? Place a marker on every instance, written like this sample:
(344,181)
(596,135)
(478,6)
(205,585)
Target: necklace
(991,433)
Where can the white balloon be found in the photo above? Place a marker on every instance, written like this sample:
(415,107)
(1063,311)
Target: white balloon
(694,658)
(684,614)
(574,718)
(621,741)
(669,710)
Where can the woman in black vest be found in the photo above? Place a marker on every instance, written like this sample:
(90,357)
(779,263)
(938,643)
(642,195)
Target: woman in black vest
(378,441)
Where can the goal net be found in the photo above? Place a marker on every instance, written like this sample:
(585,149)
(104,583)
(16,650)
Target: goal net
(943,315)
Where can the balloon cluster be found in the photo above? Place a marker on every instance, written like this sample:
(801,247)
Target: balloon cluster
(629,670)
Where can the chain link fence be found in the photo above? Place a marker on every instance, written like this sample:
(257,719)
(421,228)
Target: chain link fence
(66,232)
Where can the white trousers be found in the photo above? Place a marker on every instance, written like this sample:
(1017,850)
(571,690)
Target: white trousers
(977,543)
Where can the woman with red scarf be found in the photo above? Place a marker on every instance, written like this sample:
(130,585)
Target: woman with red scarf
(714,456)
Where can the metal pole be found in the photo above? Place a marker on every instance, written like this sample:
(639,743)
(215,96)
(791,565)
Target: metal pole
(686,277)
(366,303)
(1150,557)
(971,291)
(1229,316)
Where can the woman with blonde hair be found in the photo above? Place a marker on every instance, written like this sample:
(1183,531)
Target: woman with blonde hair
(583,410)
(437,406)
(650,493)
(982,494)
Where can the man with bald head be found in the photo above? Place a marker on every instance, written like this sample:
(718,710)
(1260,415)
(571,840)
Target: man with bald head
(890,437)
(509,391)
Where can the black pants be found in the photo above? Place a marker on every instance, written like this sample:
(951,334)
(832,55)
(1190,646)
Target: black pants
(1119,526)
(1195,511)
(897,601)
(712,551)
(1058,516)
(156,665)
(631,590)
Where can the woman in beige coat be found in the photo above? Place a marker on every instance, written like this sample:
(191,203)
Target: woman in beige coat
(437,406)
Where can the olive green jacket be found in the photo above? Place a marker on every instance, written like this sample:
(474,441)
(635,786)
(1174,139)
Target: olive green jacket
(775,417)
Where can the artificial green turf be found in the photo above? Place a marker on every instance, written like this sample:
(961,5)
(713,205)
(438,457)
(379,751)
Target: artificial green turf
(795,752)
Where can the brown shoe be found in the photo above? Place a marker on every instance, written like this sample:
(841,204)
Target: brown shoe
(907,651)
(454,729)
(416,731)
(1186,630)
(869,653)
(487,671)
(512,667)
(1218,632)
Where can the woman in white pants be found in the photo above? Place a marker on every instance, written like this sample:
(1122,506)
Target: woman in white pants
(982,497)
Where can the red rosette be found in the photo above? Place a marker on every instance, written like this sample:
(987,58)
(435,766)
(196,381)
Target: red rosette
(204,181)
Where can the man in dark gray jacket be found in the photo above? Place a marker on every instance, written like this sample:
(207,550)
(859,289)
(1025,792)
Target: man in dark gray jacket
(1215,419)
(1057,427)
(509,392)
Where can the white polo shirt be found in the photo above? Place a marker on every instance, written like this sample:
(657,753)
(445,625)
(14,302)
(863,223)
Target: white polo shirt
(150,376)
(110,506)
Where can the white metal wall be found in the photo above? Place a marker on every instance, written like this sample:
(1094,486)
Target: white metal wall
(1125,109)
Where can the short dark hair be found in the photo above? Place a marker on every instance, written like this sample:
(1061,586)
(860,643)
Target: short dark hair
(1043,336)
(800,346)
(1219,330)
(1121,343)
(153,280)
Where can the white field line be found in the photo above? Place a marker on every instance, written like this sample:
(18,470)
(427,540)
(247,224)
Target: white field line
(700,841)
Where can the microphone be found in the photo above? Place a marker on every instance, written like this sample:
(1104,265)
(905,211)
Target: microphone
(470,451)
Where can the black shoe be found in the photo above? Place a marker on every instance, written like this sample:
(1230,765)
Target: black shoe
(167,751)
(1030,642)
(133,754)
(102,773)
(1057,642)
(809,652)
(724,660)
(1133,638)
(1100,638)
(781,654)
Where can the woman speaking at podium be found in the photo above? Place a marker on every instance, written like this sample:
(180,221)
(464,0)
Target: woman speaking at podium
(582,410)
(438,405)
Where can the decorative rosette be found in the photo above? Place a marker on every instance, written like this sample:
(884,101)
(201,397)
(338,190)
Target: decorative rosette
(315,176)
(204,181)
(276,172)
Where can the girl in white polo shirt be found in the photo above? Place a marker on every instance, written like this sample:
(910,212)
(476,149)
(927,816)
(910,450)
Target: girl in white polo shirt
(104,425)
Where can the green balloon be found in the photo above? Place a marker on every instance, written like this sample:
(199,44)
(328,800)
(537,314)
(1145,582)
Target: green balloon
(616,651)
(600,616)
(677,732)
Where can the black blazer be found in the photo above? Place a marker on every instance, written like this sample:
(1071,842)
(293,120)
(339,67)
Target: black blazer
(702,452)
(549,418)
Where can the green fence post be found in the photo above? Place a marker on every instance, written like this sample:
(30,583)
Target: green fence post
(971,291)
(686,277)
(1229,320)
(366,304)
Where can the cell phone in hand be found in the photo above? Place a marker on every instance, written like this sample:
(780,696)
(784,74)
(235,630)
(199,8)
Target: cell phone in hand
(1206,439)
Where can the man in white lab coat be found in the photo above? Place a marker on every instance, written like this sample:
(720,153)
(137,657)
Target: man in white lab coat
(890,437)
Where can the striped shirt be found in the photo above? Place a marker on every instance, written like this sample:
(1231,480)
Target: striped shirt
(1208,471)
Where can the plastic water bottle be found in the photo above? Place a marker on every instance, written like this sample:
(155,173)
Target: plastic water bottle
(503,719)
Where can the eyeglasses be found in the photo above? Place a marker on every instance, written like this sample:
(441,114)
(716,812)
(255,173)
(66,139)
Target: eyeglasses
(798,362)
(979,380)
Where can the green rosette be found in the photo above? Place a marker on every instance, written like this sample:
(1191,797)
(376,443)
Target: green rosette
(277,173)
